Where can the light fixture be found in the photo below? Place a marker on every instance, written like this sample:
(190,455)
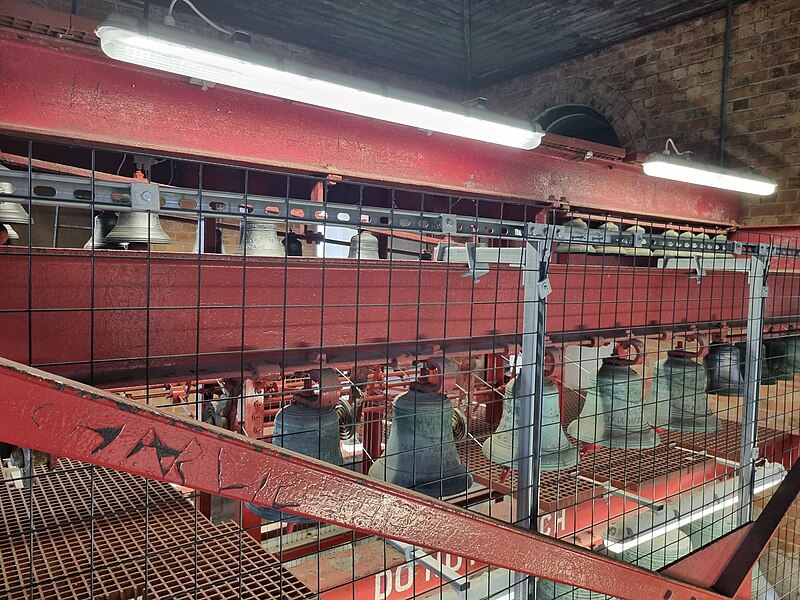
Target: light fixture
(680,168)
(655,532)
(654,524)
(235,64)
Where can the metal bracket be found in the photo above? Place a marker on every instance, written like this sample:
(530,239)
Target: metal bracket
(449,225)
(145,196)
(697,266)
(414,555)
(476,269)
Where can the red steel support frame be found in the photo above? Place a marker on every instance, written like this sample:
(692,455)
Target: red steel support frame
(110,331)
(68,91)
(67,418)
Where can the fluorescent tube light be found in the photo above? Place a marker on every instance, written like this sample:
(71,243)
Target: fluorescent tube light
(653,524)
(682,169)
(651,534)
(168,49)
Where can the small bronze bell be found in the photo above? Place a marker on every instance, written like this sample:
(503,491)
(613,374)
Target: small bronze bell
(364,246)
(293,245)
(104,222)
(576,247)
(724,376)
(12,212)
(137,228)
(261,239)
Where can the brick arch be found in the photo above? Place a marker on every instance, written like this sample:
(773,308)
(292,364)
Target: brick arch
(600,96)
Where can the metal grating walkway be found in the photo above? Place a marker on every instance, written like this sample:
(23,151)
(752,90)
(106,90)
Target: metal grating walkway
(110,551)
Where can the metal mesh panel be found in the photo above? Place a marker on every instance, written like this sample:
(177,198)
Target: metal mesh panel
(577,374)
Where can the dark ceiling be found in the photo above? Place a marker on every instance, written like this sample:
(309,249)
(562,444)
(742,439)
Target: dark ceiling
(462,43)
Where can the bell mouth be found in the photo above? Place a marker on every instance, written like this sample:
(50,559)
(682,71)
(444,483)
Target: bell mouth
(272,515)
(449,485)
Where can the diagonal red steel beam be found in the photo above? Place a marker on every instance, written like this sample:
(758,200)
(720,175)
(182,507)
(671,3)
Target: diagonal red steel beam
(66,418)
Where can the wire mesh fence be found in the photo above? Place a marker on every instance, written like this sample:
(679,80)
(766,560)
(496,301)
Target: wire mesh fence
(622,384)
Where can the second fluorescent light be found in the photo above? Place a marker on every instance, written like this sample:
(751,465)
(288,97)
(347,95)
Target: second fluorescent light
(682,169)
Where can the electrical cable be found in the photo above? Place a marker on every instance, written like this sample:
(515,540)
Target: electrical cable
(199,14)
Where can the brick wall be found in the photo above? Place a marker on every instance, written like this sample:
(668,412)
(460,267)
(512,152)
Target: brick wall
(668,84)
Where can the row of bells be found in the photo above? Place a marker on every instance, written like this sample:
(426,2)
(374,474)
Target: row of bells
(260,238)
(421,452)
(616,414)
(610,227)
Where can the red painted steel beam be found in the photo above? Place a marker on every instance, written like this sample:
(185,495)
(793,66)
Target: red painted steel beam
(92,319)
(67,418)
(71,92)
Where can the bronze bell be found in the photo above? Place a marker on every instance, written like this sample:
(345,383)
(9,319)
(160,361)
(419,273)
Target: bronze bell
(579,247)
(613,414)
(793,354)
(308,430)
(767,378)
(678,395)
(776,362)
(724,375)
(364,245)
(261,239)
(556,451)
(136,227)
(421,452)
(12,212)
(293,245)
(104,222)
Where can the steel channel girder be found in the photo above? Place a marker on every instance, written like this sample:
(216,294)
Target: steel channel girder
(66,418)
(91,318)
(72,92)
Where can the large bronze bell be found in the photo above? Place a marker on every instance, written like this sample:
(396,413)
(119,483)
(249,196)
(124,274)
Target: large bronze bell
(724,375)
(308,430)
(364,245)
(104,222)
(556,451)
(261,239)
(613,414)
(421,452)
(678,395)
(776,361)
(12,212)
(767,378)
(793,354)
(136,227)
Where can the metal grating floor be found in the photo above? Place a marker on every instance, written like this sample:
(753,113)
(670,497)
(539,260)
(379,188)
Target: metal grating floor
(109,553)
